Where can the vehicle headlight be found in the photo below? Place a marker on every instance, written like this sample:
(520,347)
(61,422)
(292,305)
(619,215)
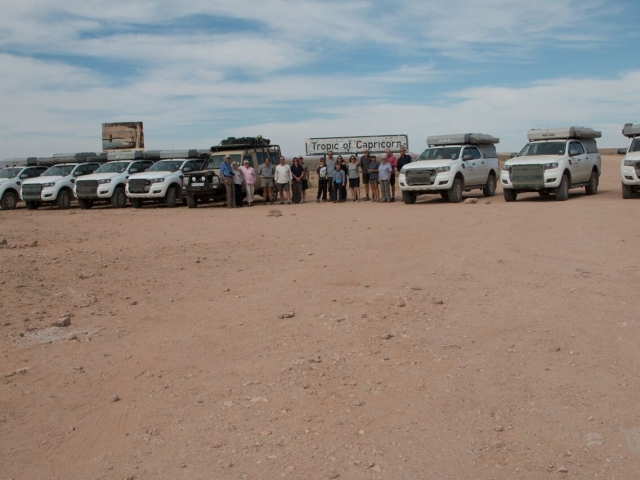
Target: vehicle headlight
(442,169)
(630,163)
(157,180)
(106,180)
(49,185)
(214,180)
(550,166)
(506,168)
(403,171)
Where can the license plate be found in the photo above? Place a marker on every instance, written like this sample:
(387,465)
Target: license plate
(197,184)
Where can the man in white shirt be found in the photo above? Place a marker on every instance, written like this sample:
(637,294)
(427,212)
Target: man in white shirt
(283,179)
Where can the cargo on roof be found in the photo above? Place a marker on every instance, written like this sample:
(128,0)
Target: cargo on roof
(631,130)
(462,138)
(169,154)
(563,133)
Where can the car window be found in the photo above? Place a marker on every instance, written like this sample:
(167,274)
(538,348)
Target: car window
(467,151)
(578,146)
(475,152)
(40,171)
(92,167)
(29,172)
(188,165)
(81,170)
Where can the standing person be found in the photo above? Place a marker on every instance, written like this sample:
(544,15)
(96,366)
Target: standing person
(249,178)
(331,169)
(283,180)
(344,168)
(237,183)
(322,180)
(391,160)
(297,172)
(373,179)
(267,172)
(305,178)
(354,178)
(403,159)
(338,183)
(226,171)
(365,160)
(385,170)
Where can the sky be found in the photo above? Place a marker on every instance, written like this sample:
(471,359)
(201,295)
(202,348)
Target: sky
(197,71)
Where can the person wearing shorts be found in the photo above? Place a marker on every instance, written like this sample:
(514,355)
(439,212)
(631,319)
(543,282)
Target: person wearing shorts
(373,179)
(266,173)
(305,179)
(391,160)
(365,160)
(283,179)
(354,178)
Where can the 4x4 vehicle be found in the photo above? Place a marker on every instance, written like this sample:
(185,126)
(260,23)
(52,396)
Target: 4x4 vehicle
(630,165)
(554,161)
(11,179)
(452,164)
(108,183)
(206,185)
(163,181)
(55,185)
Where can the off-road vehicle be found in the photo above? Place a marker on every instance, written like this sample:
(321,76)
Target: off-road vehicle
(630,165)
(11,179)
(451,165)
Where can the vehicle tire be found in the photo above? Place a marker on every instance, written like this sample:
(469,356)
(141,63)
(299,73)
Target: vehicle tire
(592,187)
(455,192)
(85,204)
(510,194)
(136,203)
(627,191)
(171,197)
(31,205)
(119,198)
(409,197)
(9,201)
(543,193)
(489,189)
(444,195)
(64,200)
(192,201)
(562,191)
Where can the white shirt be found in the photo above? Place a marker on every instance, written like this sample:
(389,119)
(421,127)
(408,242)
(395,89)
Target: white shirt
(283,174)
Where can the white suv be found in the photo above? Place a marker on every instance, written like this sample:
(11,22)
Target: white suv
(55,185)
(11,179)
(630,166)
(162,182)
(554,161)
(452,164)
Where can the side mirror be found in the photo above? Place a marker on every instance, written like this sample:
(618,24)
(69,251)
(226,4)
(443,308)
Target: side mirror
(622,151)
(573,153)
(513,155)
(467,156)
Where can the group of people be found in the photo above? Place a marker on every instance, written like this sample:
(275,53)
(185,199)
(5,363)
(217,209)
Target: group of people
(291,182)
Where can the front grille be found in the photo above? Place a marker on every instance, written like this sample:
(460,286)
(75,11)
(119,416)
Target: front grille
(87,188)
(527,176)
(31,191)
(137,186)
(420,177)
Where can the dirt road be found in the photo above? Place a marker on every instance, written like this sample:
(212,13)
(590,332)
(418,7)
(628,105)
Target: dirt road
(440,341)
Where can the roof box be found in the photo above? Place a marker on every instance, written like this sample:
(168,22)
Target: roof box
(132,155)
(75,157)
(630,130)
(462,138)
(563,133)
(169,154)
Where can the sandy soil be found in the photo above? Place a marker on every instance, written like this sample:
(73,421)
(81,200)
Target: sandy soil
(489,341)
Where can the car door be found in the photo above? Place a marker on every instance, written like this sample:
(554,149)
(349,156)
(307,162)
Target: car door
(470,165)
(582,169)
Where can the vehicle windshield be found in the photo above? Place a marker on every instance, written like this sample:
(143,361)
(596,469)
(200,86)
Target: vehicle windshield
(635,145)
(115,167)
(59,171)
(9,172)
(440,153)
(166,166)
(215,160)
(543,148)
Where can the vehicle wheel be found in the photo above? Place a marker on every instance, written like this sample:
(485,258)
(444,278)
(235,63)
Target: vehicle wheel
(32,205)
(9,201)
(510,194)
(136,203)
(489,189)
(85,204)
(192,202)
(543,193)
(409,197)
(592,188)
(627,191)
(64,200)
(444,195)
(119,198)
(171,197)
(455,192)
(562,191)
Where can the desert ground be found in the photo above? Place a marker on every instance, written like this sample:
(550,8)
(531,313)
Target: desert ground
(355,341)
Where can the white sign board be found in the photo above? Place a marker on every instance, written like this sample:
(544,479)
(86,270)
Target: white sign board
(342,145)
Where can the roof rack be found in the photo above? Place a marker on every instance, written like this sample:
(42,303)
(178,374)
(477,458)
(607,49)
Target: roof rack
(563,133)
(631,130)
(461,138)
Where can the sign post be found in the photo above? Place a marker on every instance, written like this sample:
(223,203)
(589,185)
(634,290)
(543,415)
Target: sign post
(348,145)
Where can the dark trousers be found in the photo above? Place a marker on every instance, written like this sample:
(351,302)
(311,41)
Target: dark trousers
(296,194)
(330,188)
(337,192)
(322,188)
(238,192)
(229,186)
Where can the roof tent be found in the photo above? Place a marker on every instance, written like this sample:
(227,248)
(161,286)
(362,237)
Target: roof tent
(75,157)
(462,138)
(246,141)
(50,161)
(563,133)
(169,154)
(631,130)
(132,155)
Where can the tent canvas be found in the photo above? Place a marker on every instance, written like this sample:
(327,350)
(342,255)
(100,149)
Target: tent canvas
(462,138)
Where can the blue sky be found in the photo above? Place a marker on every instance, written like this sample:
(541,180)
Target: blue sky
(196,71)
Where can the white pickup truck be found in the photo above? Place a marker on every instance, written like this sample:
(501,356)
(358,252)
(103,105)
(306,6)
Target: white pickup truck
(11,179)
(451,165)
(630,165)
(554,161)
